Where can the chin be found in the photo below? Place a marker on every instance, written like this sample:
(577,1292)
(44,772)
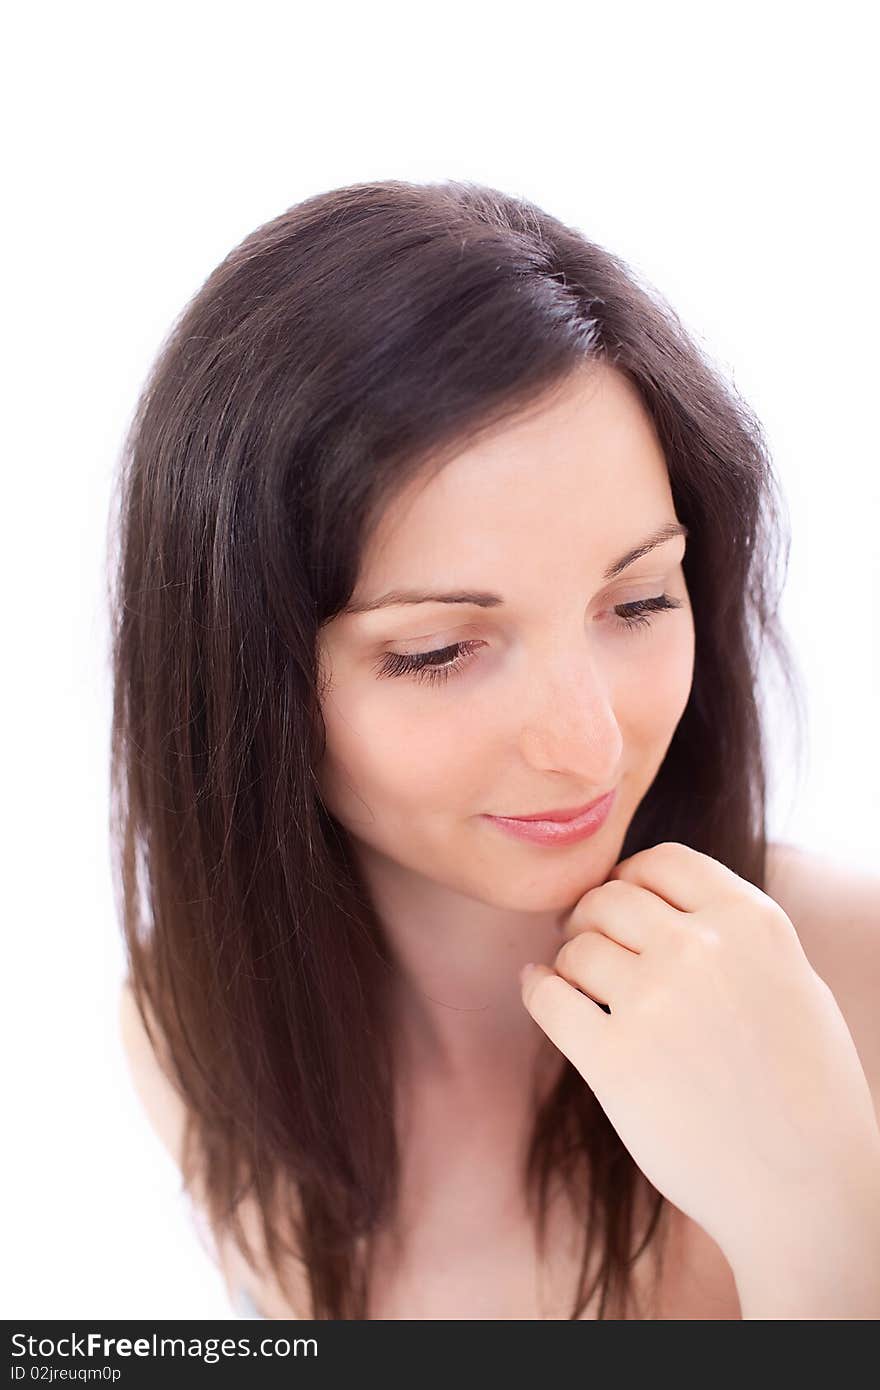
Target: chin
(549,892)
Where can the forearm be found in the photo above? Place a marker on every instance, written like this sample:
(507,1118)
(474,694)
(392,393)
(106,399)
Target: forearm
(821,1261)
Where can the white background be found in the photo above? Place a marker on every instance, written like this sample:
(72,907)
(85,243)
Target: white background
(726,152)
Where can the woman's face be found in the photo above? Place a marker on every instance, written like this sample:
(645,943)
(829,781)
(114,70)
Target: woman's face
(550,699)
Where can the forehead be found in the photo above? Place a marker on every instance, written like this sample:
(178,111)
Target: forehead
(583,470)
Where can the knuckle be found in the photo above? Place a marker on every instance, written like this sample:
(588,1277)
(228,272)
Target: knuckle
(776,916)
(769,915)
(666,852)
(584,912)
(614,887)
(693,939)
(707,936)
(572,953)
(672,849)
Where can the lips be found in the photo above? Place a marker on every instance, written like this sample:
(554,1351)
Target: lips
(544,830)
(564,814)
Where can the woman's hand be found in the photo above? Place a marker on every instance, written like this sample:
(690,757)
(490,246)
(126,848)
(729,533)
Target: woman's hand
(724,1064)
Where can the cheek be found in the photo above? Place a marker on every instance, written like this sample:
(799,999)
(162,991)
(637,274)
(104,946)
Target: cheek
(655,702)
(398,756)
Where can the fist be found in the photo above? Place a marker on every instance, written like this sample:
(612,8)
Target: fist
(682,995)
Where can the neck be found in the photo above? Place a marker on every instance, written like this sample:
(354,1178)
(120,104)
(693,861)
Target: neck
(458,1016)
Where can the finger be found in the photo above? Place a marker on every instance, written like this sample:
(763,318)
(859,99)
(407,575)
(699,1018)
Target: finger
(682,876)
(622,910)
(602,968)
(575,1024)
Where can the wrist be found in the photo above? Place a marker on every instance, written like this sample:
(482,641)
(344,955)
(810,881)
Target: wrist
(818,1257)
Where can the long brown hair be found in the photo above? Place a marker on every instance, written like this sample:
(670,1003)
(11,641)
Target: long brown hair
(333,354)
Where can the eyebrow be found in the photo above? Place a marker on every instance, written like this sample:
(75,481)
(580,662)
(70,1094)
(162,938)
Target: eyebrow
(667,532)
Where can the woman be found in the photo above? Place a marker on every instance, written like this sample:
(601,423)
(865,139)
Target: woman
(326,781)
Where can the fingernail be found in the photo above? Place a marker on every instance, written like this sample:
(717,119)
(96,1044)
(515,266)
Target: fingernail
(525,971)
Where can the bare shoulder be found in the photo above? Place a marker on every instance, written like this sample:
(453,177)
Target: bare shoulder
(835,909)
(152,1076)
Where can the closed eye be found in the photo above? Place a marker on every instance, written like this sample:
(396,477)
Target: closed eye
(444,662)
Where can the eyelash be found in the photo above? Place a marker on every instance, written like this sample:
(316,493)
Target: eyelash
(638,614)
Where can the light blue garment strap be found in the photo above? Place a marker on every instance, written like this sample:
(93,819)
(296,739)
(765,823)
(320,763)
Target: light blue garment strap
(245,1305)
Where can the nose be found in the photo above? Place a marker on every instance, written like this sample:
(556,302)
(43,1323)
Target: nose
(568,722)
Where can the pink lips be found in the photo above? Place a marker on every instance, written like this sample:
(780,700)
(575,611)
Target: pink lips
(564,814)
(558,827)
